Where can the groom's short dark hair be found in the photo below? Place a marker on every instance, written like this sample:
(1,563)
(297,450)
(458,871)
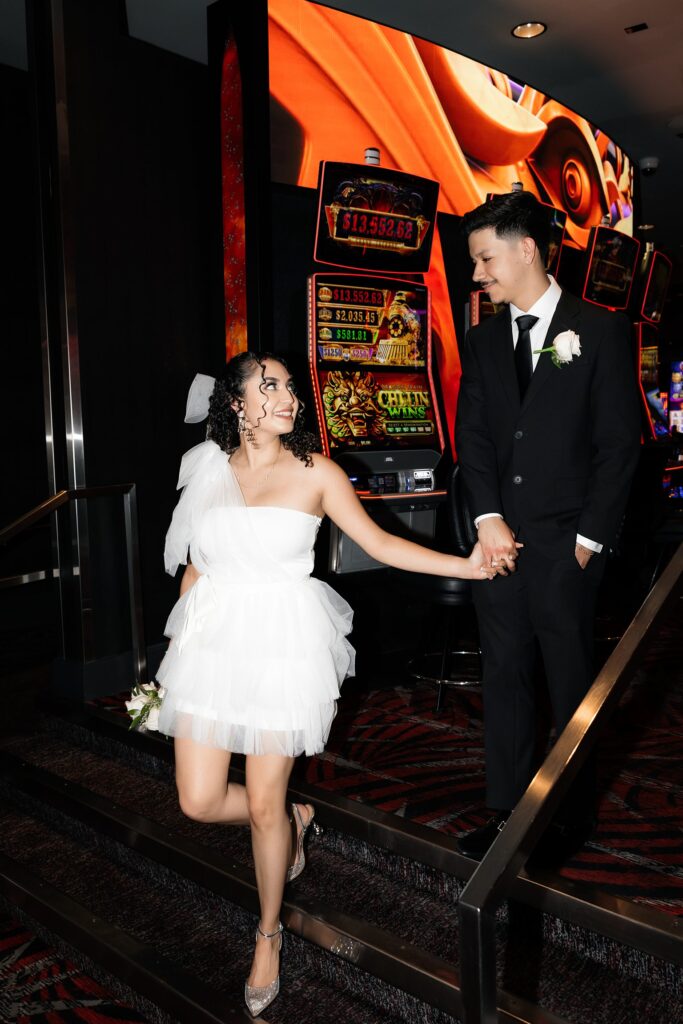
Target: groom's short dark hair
(512,215)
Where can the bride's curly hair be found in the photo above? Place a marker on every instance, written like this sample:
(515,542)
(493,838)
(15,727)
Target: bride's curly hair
(223,424)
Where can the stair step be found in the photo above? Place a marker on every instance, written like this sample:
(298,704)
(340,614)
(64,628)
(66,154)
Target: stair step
(147,758)
(362,942)
(200,937)
(153,976)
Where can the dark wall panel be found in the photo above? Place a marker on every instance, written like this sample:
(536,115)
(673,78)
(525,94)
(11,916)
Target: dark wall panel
(145,235)
(22,461)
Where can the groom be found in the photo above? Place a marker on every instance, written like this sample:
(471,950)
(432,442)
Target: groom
(547,453)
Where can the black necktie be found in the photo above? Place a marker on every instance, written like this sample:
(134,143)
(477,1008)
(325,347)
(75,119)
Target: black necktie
(523,360)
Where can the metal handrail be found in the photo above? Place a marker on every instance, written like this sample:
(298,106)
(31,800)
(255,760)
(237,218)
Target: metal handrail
(495,876)
(57,500)
(129,494)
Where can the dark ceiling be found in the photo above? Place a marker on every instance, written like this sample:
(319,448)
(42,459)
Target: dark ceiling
(631,85)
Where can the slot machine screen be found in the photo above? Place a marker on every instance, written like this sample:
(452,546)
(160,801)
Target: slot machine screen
(656,288)
(370,345)
(611,265)
(676,396)
(375,219)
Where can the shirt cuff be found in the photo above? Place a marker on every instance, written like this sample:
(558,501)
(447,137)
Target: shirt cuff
(487,515)
(592,545)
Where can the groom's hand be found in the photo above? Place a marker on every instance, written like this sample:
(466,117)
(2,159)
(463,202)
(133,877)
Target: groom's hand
(498,545)
(583,555)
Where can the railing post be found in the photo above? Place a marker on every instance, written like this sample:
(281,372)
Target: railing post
(478,981)
(130,508)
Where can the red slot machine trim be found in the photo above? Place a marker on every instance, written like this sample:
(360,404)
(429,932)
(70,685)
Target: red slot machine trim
(614,309)
(656,255)
(639,330)
(475,307)
(313,366)
(412,496)
(430,375)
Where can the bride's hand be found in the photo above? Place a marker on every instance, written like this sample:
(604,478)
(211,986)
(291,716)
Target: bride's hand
(479,570)
(477,566)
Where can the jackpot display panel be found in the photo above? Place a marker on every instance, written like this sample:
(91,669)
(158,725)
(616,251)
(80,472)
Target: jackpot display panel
(375,219)
(612,258)
(370,356)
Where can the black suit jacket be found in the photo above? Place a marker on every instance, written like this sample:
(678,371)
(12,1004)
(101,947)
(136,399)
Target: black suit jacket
(560,462)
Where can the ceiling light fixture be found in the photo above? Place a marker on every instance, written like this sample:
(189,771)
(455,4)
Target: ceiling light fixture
(642,26)
(529,30)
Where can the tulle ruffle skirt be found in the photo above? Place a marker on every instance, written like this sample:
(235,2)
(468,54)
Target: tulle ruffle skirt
(256,668)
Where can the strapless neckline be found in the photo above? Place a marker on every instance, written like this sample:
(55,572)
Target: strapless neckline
(284,508)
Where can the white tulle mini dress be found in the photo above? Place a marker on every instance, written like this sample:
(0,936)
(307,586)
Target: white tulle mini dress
(258,648)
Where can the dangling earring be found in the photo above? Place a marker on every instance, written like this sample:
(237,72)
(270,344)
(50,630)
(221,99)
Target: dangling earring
(241,423)
(250,436)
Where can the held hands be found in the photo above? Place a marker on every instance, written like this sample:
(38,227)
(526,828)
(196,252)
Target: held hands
(499,549)
(478,569)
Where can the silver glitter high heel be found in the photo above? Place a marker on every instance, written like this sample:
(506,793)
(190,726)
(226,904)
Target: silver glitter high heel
(258,997)
(300,860)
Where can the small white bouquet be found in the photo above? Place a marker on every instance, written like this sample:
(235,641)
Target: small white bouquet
(144,706)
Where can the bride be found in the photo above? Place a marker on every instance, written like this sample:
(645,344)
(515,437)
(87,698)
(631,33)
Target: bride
(258,647)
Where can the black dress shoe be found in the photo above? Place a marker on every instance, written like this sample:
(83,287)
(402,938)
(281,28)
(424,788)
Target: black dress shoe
(476,843)
(559,843)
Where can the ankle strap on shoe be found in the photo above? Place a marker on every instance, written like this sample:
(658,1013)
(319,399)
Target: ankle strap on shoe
(269,935)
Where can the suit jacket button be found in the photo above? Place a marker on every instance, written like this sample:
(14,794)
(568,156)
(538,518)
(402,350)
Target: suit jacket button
(516,479)
(519,434)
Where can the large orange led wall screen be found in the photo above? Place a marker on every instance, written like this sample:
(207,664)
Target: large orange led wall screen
(339,83)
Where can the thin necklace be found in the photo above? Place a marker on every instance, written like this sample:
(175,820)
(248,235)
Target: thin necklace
(259,483)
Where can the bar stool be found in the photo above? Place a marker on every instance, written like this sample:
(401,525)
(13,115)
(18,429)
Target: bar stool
(459,667)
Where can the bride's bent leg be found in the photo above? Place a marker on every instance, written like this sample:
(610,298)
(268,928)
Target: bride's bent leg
(271,841)
(203,789)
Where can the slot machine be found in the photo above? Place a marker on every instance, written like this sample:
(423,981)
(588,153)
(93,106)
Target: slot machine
(655,416)
(612,257)
(370,358)
(370,347)
(655,274)
(676,397)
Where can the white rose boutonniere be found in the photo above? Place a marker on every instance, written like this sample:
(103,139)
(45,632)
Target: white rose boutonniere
(144,705)
(564,348)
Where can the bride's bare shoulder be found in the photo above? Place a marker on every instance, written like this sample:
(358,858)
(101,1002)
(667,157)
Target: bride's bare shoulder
(325,468)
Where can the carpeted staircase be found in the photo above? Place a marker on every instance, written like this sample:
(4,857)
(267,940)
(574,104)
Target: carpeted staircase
(162,910)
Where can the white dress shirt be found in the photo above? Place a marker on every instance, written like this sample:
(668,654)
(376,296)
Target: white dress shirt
(544,308)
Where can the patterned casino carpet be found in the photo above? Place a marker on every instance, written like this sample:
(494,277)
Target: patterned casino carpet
(389,748)
(38,986)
